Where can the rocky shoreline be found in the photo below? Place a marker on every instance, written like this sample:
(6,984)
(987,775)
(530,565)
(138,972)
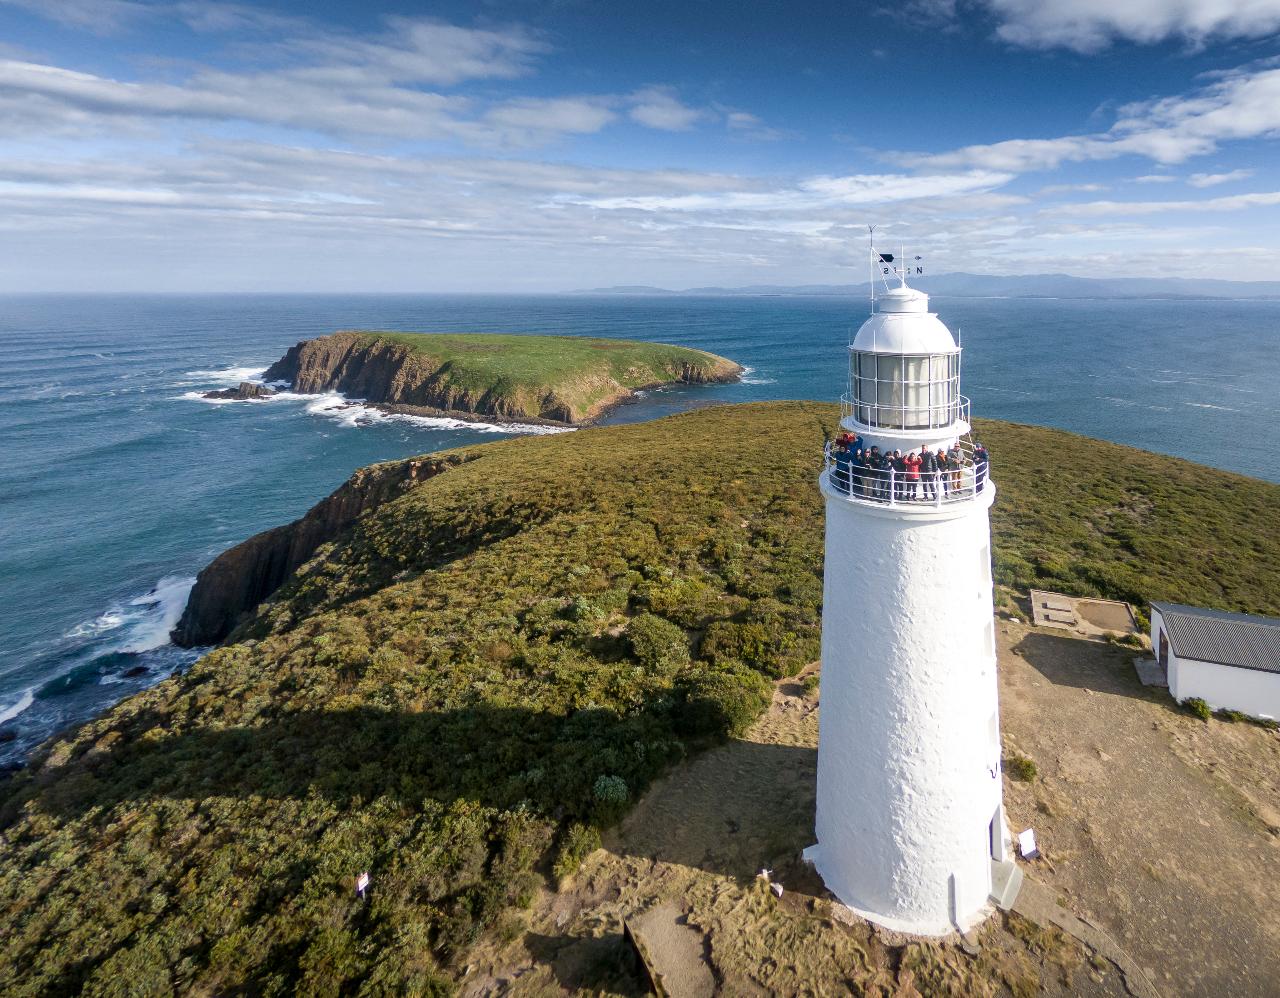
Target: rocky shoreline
(237,581)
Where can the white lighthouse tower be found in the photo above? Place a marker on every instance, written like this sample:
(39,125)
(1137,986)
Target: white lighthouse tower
(909,810)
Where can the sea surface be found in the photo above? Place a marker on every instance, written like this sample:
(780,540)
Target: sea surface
(118,482)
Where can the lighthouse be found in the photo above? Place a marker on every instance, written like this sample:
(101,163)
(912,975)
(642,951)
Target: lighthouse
(910,815)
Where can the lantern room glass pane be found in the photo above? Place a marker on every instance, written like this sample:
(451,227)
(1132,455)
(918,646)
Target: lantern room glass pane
(914,391)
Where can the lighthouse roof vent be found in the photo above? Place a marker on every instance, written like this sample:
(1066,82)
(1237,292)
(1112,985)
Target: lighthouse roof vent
(903,324)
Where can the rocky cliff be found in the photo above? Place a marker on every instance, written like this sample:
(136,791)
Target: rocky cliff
(238,580)
(538,379)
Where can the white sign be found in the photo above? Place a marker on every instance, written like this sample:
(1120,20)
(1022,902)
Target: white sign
(362,883)
(1027,844)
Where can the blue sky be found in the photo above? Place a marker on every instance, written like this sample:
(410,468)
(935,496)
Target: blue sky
(551,144)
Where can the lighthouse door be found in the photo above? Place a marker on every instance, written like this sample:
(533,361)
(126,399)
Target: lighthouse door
(1164,654)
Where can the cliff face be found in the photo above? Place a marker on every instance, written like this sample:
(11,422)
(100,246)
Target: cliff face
(456,374)
(233,585)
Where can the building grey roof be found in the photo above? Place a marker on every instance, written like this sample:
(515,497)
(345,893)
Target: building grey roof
(1239,639)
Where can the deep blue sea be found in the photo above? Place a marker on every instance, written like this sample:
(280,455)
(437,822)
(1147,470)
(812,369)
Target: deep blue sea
(117,483)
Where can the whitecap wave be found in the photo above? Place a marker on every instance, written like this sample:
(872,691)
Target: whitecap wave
(26,700)
(1209,405)
(160,610)
(227,376)
(108,621)
(747,378)
(144,622)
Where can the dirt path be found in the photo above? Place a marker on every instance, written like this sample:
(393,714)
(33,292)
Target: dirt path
(697,840)
(1158,827)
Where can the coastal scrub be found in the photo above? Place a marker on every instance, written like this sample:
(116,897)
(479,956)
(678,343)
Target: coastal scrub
(457,691)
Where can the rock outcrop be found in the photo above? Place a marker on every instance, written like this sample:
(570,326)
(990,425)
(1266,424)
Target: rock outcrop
(413,376)
(233,585)
(244,392)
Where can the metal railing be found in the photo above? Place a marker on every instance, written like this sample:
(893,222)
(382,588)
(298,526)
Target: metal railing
(890,487)
(897,417)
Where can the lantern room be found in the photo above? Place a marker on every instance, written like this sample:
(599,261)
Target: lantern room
(904,369)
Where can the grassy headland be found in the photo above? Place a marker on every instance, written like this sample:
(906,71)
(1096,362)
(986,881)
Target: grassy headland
(483,667)
(558,379)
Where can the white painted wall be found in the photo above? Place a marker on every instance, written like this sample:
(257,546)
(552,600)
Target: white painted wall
(909,743)
(1247,690)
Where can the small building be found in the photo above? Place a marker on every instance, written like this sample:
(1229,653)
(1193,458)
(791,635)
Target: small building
(1229,660)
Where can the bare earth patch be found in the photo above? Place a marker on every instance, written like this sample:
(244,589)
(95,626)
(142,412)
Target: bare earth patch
(1159,827)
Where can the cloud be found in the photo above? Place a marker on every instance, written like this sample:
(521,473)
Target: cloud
(1091,25)
(658,107)
(1071,188)
(1236,202)
(811,194)
(1242,104)
(1155,178)
(1213,179)
(529,119)
(750,126)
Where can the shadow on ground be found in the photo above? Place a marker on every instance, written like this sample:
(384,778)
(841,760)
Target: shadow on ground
(498,757)
(1085,665)
(733,810)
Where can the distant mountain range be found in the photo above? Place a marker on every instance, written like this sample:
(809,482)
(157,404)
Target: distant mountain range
(992,286)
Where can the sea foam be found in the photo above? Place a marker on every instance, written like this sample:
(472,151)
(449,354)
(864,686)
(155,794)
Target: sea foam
(26,700)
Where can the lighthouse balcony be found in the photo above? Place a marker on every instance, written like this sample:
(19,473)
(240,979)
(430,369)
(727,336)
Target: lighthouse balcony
(967,480)
(904,411)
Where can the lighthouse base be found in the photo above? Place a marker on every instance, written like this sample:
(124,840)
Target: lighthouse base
(974,916)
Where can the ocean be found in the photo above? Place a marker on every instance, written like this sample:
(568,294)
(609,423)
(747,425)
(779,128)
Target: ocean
(118,483)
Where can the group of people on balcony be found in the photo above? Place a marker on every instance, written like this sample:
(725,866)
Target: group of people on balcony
(917,476)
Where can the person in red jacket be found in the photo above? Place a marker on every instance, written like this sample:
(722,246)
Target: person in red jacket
(912,461)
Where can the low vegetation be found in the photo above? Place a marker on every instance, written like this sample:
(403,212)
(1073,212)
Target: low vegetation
(1019,767)
(1197,707)
(458,693)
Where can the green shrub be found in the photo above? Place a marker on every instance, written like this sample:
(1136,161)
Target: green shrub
(660,645)
(1197,708)
(611,797)
(1019,767)
(811,682)
(687,601)
(721,703)
(579,842)
(1230,716)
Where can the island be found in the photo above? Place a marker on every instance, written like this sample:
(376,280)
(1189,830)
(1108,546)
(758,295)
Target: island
(540,687)
(548,380)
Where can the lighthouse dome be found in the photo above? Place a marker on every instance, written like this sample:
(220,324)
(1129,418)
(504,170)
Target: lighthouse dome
(903,324)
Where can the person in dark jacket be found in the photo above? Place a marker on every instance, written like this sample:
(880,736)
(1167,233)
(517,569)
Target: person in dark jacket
(878,475)
(899,477)
(929,473)
(981,464)
(842,467)
(858,469)
(944,471)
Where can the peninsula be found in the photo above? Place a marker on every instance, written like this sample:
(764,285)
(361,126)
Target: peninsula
(471,681)
(558,380)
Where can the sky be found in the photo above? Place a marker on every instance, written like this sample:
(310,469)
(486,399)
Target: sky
(548,145)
